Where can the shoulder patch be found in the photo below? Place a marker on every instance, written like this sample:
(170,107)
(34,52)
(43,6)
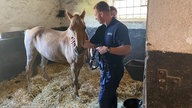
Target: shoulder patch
(109,33)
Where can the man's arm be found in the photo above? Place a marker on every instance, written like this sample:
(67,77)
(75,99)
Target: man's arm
(121,50)
(88,44)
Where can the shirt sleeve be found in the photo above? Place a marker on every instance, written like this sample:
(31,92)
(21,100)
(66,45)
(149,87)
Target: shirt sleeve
(94,39)
(122,36)
(97,37)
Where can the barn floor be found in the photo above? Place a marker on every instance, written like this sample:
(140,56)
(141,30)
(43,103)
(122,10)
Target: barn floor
(59,91)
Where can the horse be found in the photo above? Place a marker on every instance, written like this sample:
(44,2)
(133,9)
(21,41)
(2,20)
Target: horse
(57,46)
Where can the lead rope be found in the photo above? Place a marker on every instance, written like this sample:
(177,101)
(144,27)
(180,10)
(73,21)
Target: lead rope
(93,67)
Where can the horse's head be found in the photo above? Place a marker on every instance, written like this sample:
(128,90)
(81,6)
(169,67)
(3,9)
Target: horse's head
(77,25)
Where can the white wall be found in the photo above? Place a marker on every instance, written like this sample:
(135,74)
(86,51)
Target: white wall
(79,6)
(16,15)
(169,25)
(21,14)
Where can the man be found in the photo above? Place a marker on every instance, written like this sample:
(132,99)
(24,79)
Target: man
(112,41)
(93,60)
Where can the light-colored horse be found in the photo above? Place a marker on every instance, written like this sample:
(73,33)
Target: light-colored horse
(57,46)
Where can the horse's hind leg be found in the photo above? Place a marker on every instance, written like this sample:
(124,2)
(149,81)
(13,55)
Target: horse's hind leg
(31,54)
(44,62)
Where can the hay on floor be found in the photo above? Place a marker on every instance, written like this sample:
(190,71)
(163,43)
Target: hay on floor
(59,91)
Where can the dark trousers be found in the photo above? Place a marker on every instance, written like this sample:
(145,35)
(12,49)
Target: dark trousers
(110,77)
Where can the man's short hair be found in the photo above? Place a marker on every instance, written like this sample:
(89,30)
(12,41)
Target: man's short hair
(102,6)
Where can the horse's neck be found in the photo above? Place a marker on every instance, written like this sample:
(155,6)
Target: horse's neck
(72,35)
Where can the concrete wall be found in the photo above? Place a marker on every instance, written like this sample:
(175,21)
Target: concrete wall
(79,6)
(21,14)
(169,52)
(169,26)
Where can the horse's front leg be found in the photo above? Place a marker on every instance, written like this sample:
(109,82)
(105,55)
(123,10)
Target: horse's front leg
(75,74)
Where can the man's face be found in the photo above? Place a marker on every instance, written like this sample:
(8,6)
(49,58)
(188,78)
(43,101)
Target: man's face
(98,16)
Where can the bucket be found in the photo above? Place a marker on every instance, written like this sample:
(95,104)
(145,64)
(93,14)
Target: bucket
(135,69)
(132,103)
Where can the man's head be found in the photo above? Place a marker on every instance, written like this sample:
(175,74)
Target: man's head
(113,11)
(101,11)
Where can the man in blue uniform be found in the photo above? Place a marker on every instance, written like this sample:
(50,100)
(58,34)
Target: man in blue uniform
(112,41)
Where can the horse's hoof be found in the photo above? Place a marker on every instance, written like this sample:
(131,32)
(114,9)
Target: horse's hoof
(63,88)
(48,78)
(79,86)
(28,90)
(76,93)
(76,96)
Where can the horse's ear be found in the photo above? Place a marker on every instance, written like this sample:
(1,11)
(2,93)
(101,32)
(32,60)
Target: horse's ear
(82,14)
(69,15)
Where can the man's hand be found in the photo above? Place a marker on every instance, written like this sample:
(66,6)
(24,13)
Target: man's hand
(102,49)
(88,44)
(121,50)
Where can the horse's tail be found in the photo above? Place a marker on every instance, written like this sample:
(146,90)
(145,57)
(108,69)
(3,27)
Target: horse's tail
(29,35)
(26,33)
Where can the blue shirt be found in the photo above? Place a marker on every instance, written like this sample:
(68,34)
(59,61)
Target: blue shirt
(114,35)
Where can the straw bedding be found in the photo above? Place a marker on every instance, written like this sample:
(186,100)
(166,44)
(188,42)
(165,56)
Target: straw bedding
(58,93)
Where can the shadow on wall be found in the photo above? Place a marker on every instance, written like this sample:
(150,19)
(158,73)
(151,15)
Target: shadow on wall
(137,38)
(12,54)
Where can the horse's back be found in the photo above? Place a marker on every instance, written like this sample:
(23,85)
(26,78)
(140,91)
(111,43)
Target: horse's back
(40,35)
(42,31)
(51,44)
